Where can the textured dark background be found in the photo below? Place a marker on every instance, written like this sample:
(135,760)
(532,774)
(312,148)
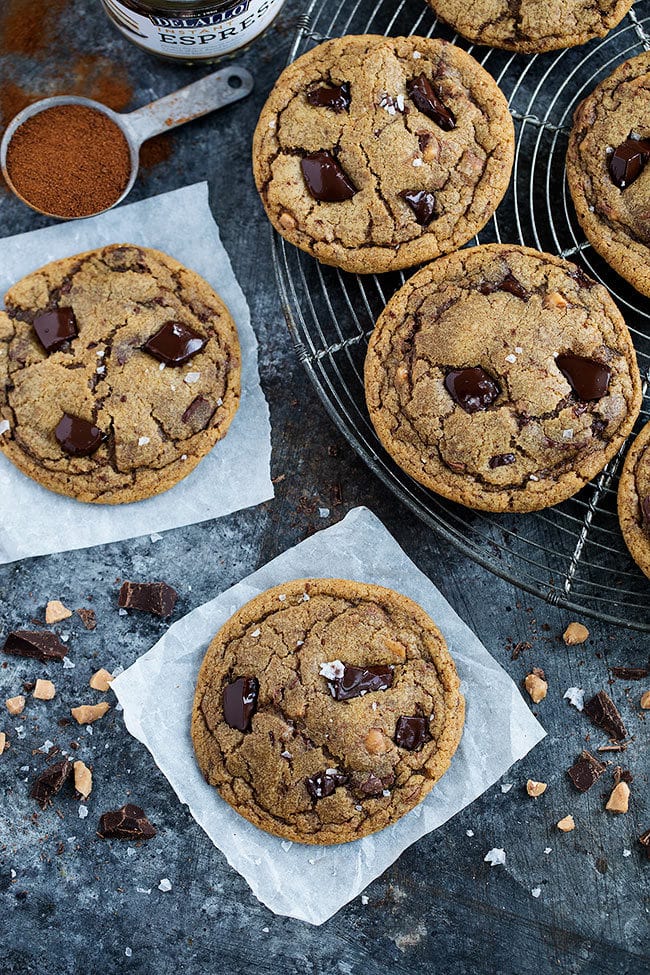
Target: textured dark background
(73,903)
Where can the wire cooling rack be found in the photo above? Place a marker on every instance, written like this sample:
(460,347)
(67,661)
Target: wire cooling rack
(572,555)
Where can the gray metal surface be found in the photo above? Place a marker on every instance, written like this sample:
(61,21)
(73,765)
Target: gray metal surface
(74,905)
(573,555)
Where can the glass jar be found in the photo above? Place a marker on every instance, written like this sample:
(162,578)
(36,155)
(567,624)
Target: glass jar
(191,30)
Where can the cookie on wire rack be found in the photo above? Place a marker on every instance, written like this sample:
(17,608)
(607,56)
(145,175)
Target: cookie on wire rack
(634,500)
(378,153)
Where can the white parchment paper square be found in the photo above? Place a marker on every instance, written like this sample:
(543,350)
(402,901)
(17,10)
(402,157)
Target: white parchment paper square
(236,472)
(312,882)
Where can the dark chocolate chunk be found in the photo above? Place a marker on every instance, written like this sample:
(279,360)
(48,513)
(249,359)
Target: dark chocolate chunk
(588,378)
(126,823)
(150,597)
(644,840)
(423,205)
(198,414)
(627,161)
(49,782)
(174,343)
(471,388)
(371,786)
(325,783)
(78,437)
(424,97)
(509,284)
(326,179)
(630,673)
(411,732)
(360,680)
(40,644)
(334,97)
(623,775)
(501,460)
(586,771)
(645,510)
(88,618)
(240,701)
(55,328)
(604,713)
(581,279)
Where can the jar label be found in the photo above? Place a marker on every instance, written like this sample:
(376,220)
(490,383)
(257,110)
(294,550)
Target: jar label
(204,36)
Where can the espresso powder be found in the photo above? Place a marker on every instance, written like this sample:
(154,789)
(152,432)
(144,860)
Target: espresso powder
(69,161)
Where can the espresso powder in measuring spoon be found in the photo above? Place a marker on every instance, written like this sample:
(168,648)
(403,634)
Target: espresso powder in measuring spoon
(69,161)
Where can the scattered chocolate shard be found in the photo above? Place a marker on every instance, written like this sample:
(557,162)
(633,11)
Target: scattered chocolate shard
(126,823)
(426,100)
(87,617)
(411,732)
(335,97)
(586,772)
(357,681)
(149,597)
(623,775)
(325,783)
(50,782)
(602,711)
(55,328)
(39,644)
(240,701)
(630,673)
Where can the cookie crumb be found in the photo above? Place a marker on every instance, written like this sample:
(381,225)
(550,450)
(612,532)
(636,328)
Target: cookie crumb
(575,633)
(44,690)
(535,789)
(101,680)
(55,611)
(567,824)
(645,700)
(536,685)
(83,779)
(15,705)
(87,713)
(3,742)
(619,800)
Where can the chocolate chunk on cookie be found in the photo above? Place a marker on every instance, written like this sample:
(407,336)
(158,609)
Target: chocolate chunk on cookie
(608,170)
(375,153)
(119,371)
(634,500)
(326,709)
(502,398)
(531,25)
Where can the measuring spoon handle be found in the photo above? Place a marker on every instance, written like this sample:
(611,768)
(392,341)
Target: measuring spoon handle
(214,91)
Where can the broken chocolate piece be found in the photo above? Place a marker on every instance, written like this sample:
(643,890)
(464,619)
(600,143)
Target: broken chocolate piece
(126,823)
(411,732)
(627,161)
(588,378)
(586,771)
(78,437)
(501,460)
(50,782)
(424,97)
(150,597)
(471,388)
(240,701)
(335,97)
(55,328)
(509,284)
(423,205)
(88,618)
(326,179)
(39,644)
(174,343)
(630,673)
(325,783)
(360,680)
(602,711)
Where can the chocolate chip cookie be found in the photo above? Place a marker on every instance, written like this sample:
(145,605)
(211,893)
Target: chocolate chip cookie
(377,153)
(326,709)
(119,371)
(502,378)
(634,500)
(609,172)
(531,25)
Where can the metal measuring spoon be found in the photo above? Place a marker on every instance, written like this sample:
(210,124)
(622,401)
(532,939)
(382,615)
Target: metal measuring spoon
(214,91)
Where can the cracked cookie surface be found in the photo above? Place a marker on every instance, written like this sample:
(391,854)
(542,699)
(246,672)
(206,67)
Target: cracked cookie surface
(634,500)
(311,766)
(615,218)
(136,424)
(502,378)
(425,169)
(531,25)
